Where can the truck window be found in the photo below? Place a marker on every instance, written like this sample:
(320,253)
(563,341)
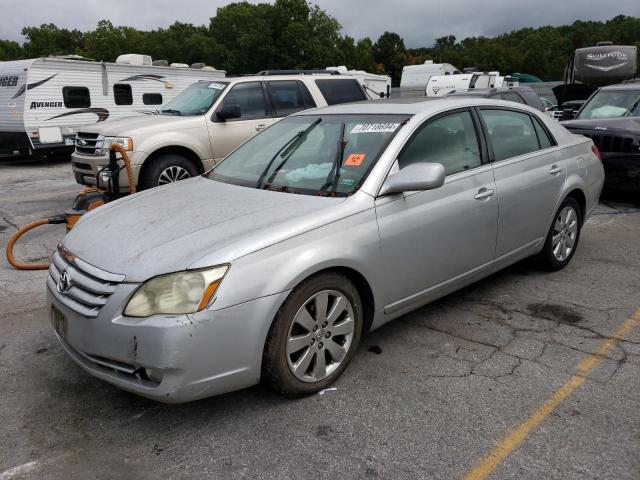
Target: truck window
(250,98)
(289,96)
(76,97)
(341,91)
(152,98)
(122,94)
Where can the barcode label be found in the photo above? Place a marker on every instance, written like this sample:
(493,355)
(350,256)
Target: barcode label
(375,128)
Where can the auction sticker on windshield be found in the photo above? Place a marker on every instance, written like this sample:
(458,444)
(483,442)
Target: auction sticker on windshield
(375,128)
(217,86)
(354,159)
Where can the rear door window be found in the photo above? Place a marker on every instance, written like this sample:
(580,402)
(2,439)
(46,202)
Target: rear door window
(249,96)
(76,97)
(341,90)
(544,138)
(450,140)
(289,96)
(511,133)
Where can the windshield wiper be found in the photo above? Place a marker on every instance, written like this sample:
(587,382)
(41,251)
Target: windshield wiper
(334,174)
(172,111)
(287,149)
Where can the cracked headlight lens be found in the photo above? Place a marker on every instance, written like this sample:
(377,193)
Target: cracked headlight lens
(176,293)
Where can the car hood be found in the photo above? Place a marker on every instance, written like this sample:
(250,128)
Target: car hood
(131,126)
(629,125)
(175,227)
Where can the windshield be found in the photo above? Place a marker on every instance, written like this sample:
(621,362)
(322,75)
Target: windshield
(195,100)
(612,104)
(328,155)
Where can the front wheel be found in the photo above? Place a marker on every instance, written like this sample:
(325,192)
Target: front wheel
(564,234)
(167,169)
(314,336)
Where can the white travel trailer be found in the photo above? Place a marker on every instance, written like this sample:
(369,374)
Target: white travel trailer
(43,101)
(417,76)
(375,86)
(442,85)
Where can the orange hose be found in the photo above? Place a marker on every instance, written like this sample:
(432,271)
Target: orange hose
(127,165)
(12,241)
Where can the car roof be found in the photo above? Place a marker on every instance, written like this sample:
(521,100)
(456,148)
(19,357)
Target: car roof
(623,86)
(411,105)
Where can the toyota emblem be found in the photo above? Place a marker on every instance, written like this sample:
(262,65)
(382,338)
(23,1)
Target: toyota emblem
(64,282)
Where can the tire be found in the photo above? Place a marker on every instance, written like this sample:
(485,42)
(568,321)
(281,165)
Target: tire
(295,369)
(563,237)
(165,169)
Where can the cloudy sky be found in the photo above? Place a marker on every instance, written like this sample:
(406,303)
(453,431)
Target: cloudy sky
(419,22)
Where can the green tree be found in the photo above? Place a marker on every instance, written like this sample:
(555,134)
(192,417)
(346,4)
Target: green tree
(10,50)
(48,39)
(389,51)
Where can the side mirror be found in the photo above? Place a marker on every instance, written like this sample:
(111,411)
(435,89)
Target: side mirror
(415,177)
(228,111)
(567,114)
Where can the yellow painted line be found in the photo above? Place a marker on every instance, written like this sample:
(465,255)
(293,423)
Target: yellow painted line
(516,436)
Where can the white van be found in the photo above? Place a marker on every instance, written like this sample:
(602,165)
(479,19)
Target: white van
(43,101)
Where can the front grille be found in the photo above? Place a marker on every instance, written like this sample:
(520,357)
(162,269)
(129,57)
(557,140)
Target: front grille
(88,287)
(89,143)
(612,143)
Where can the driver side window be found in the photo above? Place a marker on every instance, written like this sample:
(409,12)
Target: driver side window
(250,98)
(450,140)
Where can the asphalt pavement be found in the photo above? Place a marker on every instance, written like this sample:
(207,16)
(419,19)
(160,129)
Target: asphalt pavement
(524,375)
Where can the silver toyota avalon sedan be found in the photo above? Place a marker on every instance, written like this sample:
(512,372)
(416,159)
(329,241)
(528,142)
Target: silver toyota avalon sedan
(326,225)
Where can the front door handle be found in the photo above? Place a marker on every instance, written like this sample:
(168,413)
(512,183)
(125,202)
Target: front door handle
(484,193)
(555,169)
(260,127)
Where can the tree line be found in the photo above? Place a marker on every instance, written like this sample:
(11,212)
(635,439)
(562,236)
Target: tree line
(293,34)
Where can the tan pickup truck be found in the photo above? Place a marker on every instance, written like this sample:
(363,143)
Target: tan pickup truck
(204,124)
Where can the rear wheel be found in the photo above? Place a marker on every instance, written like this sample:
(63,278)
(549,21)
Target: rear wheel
(166,169)
(564,234)
(314,336)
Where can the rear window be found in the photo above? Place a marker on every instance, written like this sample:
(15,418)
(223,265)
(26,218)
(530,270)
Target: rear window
(341,91)
(289,96)
(152,98)
(76,97)
(122,94)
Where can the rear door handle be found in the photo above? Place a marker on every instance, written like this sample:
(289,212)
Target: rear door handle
(484,193)
(260,127)
(555,169)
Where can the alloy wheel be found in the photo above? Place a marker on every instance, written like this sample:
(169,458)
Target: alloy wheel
(565,232)
(320,336)
(172,174)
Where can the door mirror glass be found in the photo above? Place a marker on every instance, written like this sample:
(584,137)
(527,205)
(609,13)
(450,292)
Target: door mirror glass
(228,111)
(415,177)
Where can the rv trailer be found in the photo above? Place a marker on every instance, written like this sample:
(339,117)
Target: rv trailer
(43,101)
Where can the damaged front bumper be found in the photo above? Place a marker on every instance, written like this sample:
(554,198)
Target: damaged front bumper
(168,358)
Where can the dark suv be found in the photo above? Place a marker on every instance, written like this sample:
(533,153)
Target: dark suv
(611,118)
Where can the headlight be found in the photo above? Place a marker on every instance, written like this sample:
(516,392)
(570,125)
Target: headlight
(124,142)
(176,293)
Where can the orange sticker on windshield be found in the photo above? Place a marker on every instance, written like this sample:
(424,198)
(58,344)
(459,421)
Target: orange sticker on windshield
(354,159)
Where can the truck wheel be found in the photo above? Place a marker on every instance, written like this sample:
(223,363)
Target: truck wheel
(314,336)
(165,169)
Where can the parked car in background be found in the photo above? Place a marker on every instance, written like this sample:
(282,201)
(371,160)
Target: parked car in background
(45,101)
(520,94)
(204,124)
(328,224)
(611,118)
